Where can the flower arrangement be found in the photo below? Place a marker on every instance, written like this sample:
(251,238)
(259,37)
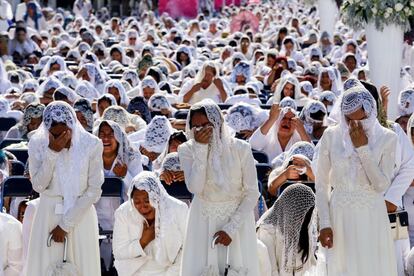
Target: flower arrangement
(356,13)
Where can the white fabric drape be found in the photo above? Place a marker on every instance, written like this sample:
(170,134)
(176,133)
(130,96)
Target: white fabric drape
(328,12)
(385,50)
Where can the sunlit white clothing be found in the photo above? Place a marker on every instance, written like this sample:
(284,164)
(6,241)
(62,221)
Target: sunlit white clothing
(10,245)
(80,221)
(160,257)
(213,209)
(355,209)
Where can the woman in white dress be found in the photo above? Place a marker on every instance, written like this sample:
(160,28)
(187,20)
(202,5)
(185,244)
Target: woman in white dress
(289,230)
(32,118)
(219,170)
(280,131)
(206,85)
(120,159)
(149,230)
(66,168)
(11,246)
(356,160)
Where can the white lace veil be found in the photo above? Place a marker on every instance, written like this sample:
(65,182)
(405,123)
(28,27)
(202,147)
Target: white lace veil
(219,145)
(410,125)
(61,112)
(54,59)
(121,90)
(157,102)
(157,134)
(288,78)
(287,215)
(243,116)
(352,100)
(117,114)
(126,151)
(171,162)
(406,102)
(310,108)
(164,215)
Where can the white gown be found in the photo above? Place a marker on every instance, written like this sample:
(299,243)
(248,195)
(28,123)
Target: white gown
(80,221)
(355,209)
(262,142)
(160,257)
(211,92)
(10,246)
(214,209)
(273,240)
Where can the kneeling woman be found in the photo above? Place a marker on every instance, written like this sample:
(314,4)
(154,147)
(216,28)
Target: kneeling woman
(149,230)
(288,230)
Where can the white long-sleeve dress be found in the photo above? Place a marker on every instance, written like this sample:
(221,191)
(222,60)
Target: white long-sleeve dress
(106,207)
(349,193)
(80,221)
(10,246)
(269,145)
(274,242)
(162,256)
(214,209)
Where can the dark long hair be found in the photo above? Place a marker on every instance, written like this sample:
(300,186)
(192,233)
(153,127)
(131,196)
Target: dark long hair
(304,236)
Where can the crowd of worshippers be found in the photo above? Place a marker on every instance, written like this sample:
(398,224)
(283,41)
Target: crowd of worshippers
(252,152)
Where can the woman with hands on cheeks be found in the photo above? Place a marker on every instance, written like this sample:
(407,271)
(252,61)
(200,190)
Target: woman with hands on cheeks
(206,85)
(279,132)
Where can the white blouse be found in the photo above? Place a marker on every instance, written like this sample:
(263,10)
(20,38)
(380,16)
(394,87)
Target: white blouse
(46,181)
(11,246)
(159,257)
(360,185)
(273,240)
(242,188)
(262,142)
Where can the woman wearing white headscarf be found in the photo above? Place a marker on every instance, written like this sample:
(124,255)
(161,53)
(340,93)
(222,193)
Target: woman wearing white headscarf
(131,76)
(328,81)
(32,118)
(86,90)
(219,170)
(280,131)
(119,115)
(154,139)
(356,159)
(244,119)
(116,89)
(91,72)
(54,64)
(290,49)
(288,230)
(206,85)
(314,118)
(149,230)
(132,40)
(120,159)
(117,52)
(288,86)
(11,246)
(82,8)
(65,164)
